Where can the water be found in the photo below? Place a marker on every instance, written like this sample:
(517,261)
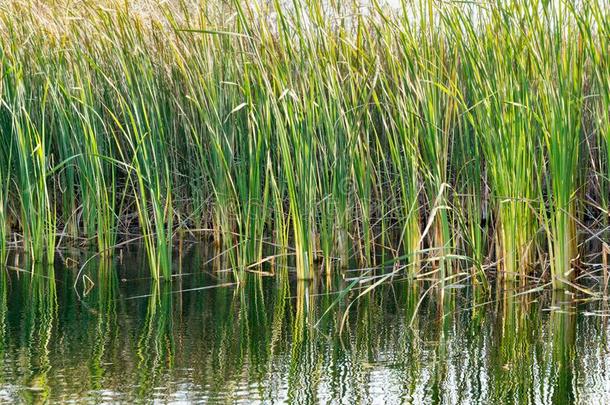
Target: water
(274,340)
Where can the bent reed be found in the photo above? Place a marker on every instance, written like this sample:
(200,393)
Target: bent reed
(447,137)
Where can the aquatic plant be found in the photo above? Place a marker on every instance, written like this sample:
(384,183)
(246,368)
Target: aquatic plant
(4,178)
(497,75)
(432,134)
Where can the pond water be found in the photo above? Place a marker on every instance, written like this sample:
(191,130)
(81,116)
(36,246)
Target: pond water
(117,338)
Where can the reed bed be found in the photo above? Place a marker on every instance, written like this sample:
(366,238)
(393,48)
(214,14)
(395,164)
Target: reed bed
(442,135)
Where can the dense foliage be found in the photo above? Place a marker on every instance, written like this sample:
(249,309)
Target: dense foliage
(442,136)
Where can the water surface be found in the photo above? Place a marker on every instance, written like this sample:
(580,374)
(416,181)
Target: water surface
(117,337)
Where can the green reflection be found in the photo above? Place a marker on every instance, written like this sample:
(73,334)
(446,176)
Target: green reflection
(123,338)
(303,375)
(106,328)
(3,323)
(516,331)
(563,330)
(155,345)
(38,314)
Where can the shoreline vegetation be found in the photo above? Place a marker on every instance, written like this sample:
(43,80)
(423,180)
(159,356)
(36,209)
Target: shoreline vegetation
(436,138)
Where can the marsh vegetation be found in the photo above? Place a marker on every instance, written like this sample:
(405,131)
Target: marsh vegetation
(444,140)
(304,201)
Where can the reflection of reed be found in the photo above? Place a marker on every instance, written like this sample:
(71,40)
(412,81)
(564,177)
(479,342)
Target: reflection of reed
(280,308)
(106,327)
(255,332)
(155,347)
(3,313)
(267,339)
(238,337)
(409,352)
(563,329)
(445,307)
(38,317)
(512,359)
(302,374)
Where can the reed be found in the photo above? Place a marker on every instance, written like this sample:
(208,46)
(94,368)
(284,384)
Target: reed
(595,28)
(427,131)
(4,178)
(561,113)
(498,75)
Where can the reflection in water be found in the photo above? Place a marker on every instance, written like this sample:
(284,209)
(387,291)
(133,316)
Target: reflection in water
(155,344)
(39,312)
(512,357)
(277,340)
(563,326)
(106,327)
(3,329)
